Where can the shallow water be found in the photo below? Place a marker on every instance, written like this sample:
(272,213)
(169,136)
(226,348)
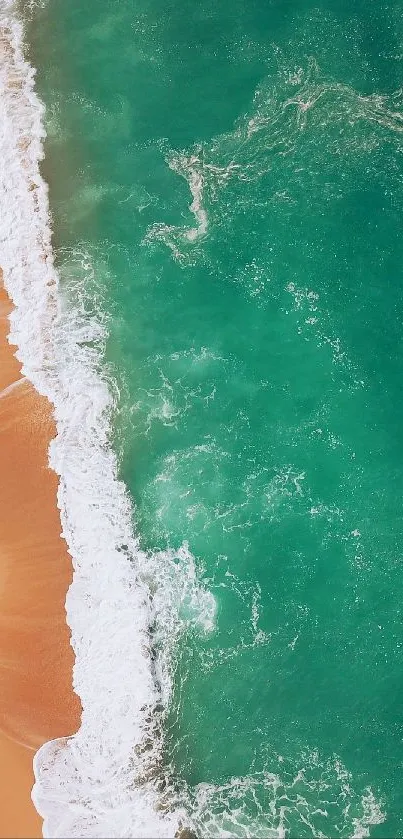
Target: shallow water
(226,201)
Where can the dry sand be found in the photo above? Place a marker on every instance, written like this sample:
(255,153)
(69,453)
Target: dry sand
(37,701)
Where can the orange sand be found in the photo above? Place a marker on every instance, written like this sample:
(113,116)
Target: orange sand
(37,702)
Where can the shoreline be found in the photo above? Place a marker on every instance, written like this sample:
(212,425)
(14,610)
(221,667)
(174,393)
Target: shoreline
(37,702)
(108,608)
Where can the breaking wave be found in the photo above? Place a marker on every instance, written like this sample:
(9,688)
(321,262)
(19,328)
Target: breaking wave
(126,608)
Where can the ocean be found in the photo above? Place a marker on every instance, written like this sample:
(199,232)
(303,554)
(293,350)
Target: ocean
(223,349)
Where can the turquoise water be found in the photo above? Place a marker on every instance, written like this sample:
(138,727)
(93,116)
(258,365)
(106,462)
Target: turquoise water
(227,196)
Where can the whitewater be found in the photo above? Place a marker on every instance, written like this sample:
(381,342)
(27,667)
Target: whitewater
(105,780)
(126,608)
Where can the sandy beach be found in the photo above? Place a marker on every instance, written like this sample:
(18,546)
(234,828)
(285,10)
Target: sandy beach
(37,701)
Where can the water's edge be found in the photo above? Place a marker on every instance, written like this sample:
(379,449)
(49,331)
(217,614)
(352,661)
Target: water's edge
(109,607)
(127,607)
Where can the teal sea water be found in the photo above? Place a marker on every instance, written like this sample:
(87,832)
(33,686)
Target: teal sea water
(226,194)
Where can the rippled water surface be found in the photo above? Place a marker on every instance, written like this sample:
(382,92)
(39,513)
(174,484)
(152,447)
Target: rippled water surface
(226,189)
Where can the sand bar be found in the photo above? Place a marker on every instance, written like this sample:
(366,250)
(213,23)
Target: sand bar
(37,701)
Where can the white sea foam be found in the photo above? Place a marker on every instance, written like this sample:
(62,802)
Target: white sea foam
(126,608)
(105,780)
(308,801)
(190,168)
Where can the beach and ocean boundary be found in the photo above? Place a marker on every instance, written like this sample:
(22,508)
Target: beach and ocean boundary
(108,768)
(36,659)
(94,767)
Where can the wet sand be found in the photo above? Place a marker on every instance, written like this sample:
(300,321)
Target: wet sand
(37,702)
